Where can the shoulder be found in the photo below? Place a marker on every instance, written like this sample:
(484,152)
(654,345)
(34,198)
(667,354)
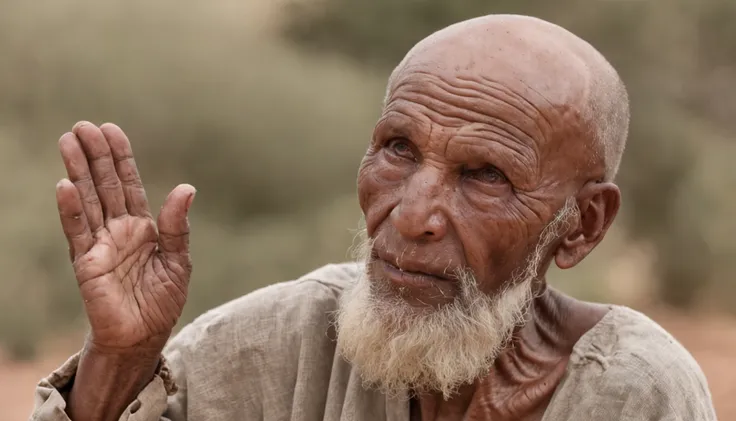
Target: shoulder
(637,369)
(629,340)
(273,313)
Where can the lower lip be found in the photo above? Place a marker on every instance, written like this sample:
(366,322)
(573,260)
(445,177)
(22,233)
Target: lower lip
(408,279)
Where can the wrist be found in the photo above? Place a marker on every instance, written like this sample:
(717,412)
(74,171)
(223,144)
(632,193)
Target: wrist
(109,379)
(133,367)
(138,364)
(148,349)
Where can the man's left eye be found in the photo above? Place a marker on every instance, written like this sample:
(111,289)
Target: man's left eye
(489,174)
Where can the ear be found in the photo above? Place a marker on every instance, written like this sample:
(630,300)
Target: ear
(598,204)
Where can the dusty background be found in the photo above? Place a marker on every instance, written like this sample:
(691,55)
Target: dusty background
(267,106)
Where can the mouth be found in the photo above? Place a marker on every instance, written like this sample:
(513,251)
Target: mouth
(408,274)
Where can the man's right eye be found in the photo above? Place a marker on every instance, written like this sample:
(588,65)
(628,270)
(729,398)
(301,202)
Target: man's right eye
(401,148)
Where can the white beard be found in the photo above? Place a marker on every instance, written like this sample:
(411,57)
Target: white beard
(397,348)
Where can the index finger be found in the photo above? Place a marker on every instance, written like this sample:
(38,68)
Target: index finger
(78,171)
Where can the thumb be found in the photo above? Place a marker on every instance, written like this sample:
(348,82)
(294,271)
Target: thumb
(173,224)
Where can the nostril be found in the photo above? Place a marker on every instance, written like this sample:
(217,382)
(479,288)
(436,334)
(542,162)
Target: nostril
(428,233)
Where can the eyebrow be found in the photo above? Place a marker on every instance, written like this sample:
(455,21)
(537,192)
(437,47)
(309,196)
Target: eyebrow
(519,162)
(397,124)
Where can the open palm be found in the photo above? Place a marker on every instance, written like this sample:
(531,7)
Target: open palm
(132,272)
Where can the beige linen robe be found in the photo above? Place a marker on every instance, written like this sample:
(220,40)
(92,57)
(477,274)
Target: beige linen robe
(270,355)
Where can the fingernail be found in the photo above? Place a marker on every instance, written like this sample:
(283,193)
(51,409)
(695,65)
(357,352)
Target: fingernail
(63,182)
(79,125)
(190,200)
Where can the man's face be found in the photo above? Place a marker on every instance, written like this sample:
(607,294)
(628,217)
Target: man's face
(457,188)
(458,177)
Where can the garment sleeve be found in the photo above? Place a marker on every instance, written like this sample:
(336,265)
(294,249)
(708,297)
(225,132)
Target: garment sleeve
(630,388)
(160,400)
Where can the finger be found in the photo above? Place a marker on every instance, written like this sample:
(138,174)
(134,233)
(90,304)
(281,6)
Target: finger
(102,168)
(122,154)
(77,169)
(73,220)
(173,224)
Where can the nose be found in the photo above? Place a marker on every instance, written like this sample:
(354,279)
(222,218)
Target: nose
(419,215)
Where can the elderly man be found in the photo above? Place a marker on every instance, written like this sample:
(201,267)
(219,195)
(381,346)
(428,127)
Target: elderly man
(494,156)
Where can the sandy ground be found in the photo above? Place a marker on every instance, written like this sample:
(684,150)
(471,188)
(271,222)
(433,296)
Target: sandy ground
(712,340)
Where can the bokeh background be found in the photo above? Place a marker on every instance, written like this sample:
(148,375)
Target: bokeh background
(266,106)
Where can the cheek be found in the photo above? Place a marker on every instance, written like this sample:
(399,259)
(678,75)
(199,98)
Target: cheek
(379,187)
(496,241)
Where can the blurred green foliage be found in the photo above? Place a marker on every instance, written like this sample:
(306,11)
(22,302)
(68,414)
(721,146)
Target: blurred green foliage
(271,132)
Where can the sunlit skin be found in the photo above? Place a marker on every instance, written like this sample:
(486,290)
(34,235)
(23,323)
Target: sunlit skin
(481,142)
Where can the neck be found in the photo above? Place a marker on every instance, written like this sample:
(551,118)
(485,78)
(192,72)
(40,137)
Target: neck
(525,375)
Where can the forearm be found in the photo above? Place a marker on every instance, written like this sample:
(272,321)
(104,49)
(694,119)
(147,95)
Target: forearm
(107,382)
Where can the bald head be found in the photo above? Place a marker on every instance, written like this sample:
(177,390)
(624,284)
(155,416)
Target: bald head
(540,63)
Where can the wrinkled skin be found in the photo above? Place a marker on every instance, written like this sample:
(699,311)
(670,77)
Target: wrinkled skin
(480,142)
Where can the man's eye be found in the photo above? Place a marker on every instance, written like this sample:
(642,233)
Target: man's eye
(489,174)
(401,148)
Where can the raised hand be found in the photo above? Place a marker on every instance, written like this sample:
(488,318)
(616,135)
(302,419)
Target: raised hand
(132,272)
